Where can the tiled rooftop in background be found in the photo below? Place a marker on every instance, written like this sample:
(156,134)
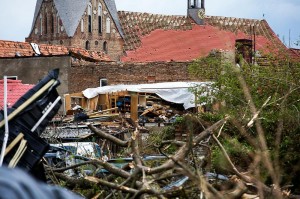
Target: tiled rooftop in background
(155,37)
(15,89)
(11,49)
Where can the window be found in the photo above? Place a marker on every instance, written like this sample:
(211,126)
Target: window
(100,18)
(87,45)
(82,26)
(58,23)
(41,24)
(193,4)
(52,24)
(12,77)
(107,25)
(103,82)
(90,17)
(244,52)
(105,48)
(46,24)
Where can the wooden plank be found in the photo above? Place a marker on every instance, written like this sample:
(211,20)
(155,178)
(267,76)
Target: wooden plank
(134,107)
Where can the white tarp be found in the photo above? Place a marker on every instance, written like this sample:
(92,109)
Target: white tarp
(176,92)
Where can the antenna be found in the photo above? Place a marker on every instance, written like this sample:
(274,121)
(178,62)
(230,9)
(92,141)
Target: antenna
(289,38)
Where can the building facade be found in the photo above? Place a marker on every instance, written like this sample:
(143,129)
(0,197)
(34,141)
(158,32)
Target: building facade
(92,25)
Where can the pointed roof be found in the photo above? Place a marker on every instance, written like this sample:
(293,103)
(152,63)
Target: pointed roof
(71,11)
(36,12)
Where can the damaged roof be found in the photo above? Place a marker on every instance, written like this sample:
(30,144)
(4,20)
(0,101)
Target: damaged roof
(71,11)
(154,37)
(12,49)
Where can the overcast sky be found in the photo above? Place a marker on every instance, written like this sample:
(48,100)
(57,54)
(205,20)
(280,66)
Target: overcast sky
(283,16)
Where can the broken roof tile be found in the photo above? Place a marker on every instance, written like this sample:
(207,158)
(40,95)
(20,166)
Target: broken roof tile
(11,49)
(155,37)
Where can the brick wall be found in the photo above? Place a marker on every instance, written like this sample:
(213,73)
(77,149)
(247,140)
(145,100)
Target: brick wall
(86,75)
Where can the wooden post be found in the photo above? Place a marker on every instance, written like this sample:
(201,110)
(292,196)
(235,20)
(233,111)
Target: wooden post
(134,107)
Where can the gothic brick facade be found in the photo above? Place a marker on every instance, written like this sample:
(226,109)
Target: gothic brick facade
(87,24)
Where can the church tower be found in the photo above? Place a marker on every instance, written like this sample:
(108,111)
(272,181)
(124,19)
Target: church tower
(88,24)
(196,10)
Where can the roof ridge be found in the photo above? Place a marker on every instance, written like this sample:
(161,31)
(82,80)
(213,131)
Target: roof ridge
(148,13)
(225,17)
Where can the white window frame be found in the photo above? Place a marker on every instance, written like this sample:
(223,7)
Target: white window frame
(101,82)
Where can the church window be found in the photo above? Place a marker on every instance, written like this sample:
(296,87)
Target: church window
(52,24)
(82,26)
(87,45)
(107,25)
(58,23)
(41,24)
(90,17)
(105,47)
(46,24)
(100,18)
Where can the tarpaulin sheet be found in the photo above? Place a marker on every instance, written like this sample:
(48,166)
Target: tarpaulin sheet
(176,92)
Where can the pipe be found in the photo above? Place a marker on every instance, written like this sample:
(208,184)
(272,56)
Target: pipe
(6,122)
(45,114)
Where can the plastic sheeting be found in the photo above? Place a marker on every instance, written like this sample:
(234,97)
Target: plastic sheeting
(176,92)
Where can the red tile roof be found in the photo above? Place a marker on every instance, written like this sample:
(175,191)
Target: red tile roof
(15,89)
(153,37)
(11,49)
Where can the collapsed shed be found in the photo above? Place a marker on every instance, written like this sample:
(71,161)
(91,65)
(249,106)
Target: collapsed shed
(128,98)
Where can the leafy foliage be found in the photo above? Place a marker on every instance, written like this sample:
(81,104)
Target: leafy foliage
(280,116)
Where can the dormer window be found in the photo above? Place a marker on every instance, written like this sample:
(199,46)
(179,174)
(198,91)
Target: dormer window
(100,18)
(107,25)
(90,17)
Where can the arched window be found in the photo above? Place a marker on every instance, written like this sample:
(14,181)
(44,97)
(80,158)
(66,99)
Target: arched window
(105,47)
(82,26)
(107,25)
(90,17)
(58,23)
(52,23)
(87,45)
(41,24)
(100,18)
(46,24)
